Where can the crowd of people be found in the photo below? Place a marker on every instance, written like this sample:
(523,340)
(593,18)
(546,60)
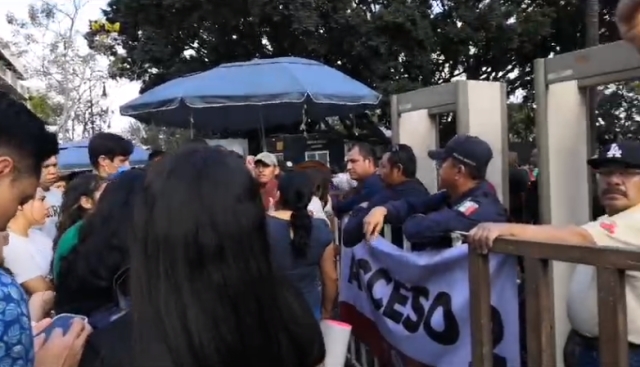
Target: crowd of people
(209,257)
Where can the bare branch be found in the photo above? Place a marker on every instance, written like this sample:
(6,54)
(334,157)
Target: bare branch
(55,54)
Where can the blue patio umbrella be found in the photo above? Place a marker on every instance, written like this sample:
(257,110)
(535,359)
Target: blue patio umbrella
(246,95)
(74,156)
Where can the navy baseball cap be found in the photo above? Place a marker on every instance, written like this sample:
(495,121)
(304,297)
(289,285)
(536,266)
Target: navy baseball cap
(469,150)
(625,153)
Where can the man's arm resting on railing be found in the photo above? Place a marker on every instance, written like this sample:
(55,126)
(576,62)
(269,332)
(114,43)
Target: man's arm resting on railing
(570,235)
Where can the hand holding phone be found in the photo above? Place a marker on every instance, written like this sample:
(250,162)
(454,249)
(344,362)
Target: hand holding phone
(62,348)
(63,322)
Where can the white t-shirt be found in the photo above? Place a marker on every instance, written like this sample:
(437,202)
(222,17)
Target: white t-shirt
(53,198)
(343,181)
(28,257)
(621,230)
(315,207)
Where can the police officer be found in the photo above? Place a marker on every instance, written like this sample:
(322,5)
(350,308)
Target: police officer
(466,200)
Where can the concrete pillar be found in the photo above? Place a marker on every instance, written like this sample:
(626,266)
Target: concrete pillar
(563,140)
(482,111)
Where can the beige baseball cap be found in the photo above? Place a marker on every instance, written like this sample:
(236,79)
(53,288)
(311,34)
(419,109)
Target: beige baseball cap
(267,158)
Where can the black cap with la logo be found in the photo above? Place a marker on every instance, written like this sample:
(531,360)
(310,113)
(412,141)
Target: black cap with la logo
(625,153)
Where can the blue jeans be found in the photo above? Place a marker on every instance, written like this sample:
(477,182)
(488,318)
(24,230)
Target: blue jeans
(580,351)
(588,357)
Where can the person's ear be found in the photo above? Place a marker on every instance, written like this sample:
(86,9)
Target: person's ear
(457,170)
(86,203)
(6,165)
(103,161)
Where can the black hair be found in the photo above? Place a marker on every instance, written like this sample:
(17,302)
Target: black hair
(472,171)
(202,282)
(23,137)
(154,154)
(296,191)
(200,142)
(84,282)
(402,156)
(109,145)
(71,212)
(366,151)
(320,183)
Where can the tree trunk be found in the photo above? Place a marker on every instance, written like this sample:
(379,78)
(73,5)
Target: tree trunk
(592,38)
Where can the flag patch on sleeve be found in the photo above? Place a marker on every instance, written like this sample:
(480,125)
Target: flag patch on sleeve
(468,207)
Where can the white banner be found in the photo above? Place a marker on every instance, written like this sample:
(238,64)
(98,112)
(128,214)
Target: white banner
(417,304)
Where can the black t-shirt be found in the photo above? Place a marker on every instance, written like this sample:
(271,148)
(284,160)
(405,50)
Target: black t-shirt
(518,184)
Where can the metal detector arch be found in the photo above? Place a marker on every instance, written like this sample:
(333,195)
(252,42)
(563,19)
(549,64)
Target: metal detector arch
(562,132)
(481,110)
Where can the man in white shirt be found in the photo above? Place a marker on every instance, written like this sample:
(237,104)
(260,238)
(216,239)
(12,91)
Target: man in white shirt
(618,172)
(53,197)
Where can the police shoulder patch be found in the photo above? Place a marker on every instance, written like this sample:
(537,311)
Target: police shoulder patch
(467,207)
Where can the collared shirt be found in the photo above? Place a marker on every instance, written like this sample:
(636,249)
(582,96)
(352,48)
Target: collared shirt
(621,230)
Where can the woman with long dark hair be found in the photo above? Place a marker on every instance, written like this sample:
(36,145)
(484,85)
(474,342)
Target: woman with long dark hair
(79,199)
(302,246)
(87,275)
(203,289)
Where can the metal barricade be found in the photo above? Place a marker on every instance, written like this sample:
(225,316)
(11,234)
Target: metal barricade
(611,264)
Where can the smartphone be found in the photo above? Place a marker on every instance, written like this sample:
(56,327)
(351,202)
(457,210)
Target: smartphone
(63,322)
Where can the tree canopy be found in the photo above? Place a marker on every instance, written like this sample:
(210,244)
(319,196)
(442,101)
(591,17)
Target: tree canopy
(391,45)
(49,41)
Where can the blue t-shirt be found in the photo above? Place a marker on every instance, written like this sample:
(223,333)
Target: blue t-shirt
(303,273)
(16,336)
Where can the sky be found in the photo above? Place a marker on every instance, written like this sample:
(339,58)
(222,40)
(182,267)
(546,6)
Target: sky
(118,92)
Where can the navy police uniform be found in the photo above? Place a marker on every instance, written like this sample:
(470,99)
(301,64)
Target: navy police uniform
(430,221)
(352,232)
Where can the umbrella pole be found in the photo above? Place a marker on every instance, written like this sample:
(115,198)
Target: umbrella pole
(263,135)
(191,126)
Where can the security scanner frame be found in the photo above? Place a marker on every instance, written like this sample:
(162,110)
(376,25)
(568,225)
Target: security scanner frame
(563,138)
(481,110)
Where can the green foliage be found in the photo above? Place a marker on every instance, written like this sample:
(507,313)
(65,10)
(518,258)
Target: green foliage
(49,43)
(521,122)
(46,109)
(619,112)
(391,45)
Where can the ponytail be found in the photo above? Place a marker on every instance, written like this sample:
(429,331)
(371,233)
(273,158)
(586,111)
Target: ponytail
(301,226)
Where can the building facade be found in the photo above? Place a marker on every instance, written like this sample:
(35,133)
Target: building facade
(12,74)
